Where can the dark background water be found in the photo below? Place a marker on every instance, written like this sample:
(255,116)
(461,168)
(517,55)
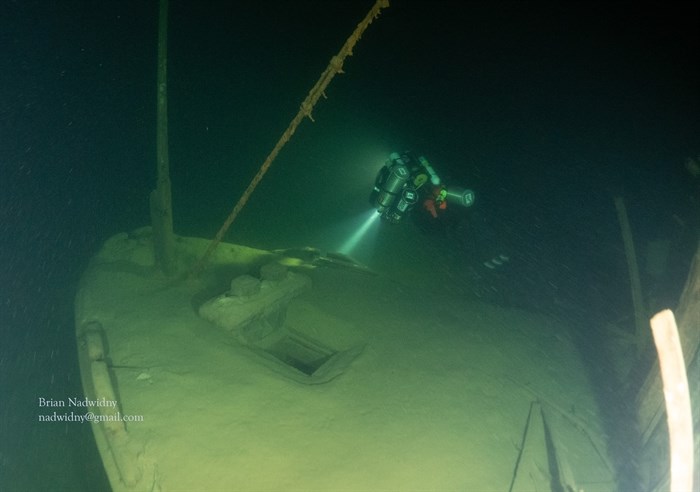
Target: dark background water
(548,110)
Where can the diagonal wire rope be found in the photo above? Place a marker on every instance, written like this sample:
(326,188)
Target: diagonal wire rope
(334,67)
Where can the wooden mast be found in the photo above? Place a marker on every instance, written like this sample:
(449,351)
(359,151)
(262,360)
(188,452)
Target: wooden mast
(160,199)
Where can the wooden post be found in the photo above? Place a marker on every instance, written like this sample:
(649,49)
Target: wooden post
(160,199)
(650,398)
(677,397)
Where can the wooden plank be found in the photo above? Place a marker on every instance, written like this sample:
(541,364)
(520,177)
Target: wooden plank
(649,399)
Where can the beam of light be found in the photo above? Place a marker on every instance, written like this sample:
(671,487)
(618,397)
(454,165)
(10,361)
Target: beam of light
(368,220)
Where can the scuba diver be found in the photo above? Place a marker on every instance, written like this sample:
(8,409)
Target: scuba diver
(406,180)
